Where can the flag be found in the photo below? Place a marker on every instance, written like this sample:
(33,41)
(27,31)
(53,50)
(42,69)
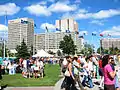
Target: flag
(46,28)
(24,22)
(76,32)
(35,25)
(101,35)
(93,34)
(67,31)
(58,29)
(81,37)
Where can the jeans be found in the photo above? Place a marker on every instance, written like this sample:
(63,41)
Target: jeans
(89,81)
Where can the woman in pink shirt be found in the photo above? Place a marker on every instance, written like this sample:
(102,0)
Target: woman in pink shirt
(109,74)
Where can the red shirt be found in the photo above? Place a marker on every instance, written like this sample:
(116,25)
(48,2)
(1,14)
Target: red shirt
(100,63)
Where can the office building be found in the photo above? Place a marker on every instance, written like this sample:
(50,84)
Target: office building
(107,43)
(19,29)
(67,24)
(51,41)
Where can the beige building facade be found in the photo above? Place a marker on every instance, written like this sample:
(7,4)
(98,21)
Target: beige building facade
(19,29)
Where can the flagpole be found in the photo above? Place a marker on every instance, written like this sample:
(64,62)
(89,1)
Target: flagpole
(4,32)
(92,44)
(100,45)
(108,45)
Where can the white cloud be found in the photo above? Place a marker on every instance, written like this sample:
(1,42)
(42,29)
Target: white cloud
(97,22)
(82,11)
(50,27)
(77,1)
(106,13)
(10,8)
(42,3)
(83,32)
(38,10)
(3,27)
(114,31)
(62,7)
(98,15)
(42,9)
(76,15)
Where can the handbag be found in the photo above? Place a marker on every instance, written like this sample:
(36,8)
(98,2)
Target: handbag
(67,73)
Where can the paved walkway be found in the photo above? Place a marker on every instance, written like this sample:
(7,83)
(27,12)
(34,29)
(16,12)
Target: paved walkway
(29,88)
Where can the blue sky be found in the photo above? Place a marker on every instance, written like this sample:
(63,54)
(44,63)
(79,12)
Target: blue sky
(93,16)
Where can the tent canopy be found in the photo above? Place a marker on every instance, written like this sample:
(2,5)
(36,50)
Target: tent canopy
(42,53)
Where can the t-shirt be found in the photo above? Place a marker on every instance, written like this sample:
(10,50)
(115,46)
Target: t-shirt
(65,62)
(24,63)
(90,65)
(100,63)
(94,60)
(107,79)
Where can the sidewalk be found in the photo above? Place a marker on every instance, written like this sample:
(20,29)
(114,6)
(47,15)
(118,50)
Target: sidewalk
(29,88)
(58,85)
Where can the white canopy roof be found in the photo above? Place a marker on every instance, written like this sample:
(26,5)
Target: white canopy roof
(42,53)
(13,51)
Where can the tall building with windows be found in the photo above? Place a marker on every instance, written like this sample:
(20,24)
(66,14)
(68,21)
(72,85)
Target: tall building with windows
(67,24)
(51,41)
(107,43)
(19,29)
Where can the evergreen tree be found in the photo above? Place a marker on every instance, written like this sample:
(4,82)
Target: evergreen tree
(31,51)
(67,45)
(22,50)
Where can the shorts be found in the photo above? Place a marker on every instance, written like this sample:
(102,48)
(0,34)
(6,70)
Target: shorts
(117,84)
(94,68)
(29,70)
(41,70)
(109,87)
(24,69)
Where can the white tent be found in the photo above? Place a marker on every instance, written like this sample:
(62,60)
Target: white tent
(42,53)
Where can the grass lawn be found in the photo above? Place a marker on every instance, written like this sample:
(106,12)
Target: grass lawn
(51,77)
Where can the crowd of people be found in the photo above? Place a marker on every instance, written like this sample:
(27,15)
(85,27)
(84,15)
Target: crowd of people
(32,67)
(81,70)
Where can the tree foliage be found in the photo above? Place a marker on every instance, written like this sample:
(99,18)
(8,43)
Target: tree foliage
(22,50)
(87,50)
(67,45)
(111,50)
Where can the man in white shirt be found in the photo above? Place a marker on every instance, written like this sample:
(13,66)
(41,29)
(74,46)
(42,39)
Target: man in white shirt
(24,63)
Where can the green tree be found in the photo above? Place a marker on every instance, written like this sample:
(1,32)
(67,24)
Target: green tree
(67,45)
(22,50)
(31,50)
(2,50)
(88,49)
(100,50)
